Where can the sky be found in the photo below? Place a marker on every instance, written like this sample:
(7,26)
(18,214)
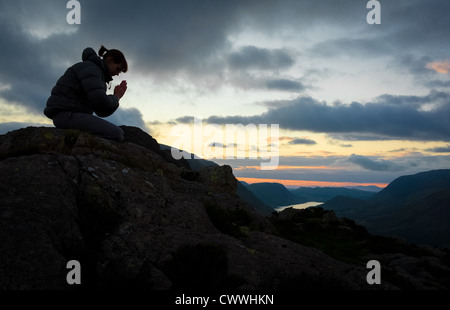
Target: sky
(308,87)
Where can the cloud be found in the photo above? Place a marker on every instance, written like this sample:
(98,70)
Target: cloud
(161,37)
(358,137)
(165,36)
(415,25)
(252,57)
(163,40)
(303,141)
(441,149)
(166,40)
(416,64)
(374,165)
(185,120)
(29,77)
(411,35)
(438,83)
(439,66)
(129,117)
(348,46)
(285,85)
(216,144)
(387,117)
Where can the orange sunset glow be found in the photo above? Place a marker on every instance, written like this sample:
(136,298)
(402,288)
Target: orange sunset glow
(291,168)
(303,183)
(439,66)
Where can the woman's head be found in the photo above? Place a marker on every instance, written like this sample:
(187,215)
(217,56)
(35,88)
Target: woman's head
(114,59)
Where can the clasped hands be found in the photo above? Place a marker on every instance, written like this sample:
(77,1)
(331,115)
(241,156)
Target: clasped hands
(120,90)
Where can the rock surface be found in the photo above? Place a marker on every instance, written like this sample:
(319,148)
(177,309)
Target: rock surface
(135,219)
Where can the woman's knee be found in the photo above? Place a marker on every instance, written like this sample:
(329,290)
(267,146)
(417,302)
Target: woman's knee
(112,132)
(62,120)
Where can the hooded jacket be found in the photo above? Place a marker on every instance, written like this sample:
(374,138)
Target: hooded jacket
(82,88)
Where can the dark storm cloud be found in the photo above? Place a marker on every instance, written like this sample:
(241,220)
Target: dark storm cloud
(388,117)
(157,37)
(163,35)
(26,65)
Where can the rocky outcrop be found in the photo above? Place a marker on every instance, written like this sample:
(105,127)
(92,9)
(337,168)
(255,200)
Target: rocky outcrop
(404,265)
(135,219)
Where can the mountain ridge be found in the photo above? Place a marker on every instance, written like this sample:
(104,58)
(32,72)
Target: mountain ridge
(414,207)
(322,194)
(273,194)
(276,194)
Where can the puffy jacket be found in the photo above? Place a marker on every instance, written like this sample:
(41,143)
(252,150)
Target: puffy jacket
(82,88)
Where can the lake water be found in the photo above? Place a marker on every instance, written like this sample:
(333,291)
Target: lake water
(300,206)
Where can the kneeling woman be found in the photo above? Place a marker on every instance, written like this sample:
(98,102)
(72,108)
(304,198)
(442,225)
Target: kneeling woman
(81,91)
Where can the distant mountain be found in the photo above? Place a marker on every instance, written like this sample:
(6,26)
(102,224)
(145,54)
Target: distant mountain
(369,188)
(414,187)
(322,194)
(274,194)
(414,207)
(244,183)
(246,195)
(277,195)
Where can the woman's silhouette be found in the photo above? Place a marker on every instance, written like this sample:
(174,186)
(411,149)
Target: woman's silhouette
(81,92)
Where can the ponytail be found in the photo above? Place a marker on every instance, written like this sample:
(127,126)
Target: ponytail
(102,51)
(116,55)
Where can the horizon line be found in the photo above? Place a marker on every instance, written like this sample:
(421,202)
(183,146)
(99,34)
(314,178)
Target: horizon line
(304,183)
